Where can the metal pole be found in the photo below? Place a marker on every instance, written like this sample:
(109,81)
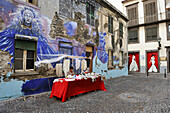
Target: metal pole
(147,71)
(164,73)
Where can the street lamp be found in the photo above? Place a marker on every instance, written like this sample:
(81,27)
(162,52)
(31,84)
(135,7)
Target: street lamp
(159,43)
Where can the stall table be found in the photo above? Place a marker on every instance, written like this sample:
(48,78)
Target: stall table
(67,89)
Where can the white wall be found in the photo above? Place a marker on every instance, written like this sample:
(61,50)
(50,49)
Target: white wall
(51,6)
(141,12)
(142,46)
(161,9)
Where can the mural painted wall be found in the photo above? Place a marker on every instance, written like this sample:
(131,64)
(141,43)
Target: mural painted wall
(101,53)
(28,21)
(70,35)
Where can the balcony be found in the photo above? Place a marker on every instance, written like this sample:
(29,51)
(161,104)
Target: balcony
(151,18)
(133,22)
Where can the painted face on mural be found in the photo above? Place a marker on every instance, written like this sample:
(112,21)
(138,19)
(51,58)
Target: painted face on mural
(28,16)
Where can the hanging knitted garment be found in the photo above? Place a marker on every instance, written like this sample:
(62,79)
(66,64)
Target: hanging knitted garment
(83,65)
(66,66)
(77,64)
(59,70)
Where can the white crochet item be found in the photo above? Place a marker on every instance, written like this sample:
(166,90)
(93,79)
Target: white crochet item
(66,66)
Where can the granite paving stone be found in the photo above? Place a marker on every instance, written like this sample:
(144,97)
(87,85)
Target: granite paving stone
(135,93)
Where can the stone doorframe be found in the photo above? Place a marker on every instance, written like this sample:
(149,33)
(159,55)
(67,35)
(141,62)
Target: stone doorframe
(168,61)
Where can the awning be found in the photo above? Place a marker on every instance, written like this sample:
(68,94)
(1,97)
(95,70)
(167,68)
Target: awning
(167,4)
(24,37)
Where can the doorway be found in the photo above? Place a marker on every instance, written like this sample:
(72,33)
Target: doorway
(152,61)
(89,59)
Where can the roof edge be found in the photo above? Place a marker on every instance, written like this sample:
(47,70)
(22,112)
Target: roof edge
(125,1)
(107,4)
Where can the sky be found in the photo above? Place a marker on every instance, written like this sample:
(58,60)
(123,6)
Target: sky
(117,4)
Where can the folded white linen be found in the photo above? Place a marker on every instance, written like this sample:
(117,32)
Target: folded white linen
(69,79)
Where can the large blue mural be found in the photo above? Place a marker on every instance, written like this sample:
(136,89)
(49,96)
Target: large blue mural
(101,52)
(69,36)
(26,21)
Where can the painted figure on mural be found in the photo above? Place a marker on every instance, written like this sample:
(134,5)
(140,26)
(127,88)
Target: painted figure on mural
(153,67)
(133,65)
(101,53)
(25,21)
(28,16)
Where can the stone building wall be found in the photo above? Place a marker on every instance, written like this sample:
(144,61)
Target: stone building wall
(5,63)
(65,21)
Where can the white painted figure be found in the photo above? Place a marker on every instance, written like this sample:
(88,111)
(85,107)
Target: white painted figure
(28,16)
(133,65)
(153,67)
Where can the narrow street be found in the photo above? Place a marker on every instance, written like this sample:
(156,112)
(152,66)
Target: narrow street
(134,93)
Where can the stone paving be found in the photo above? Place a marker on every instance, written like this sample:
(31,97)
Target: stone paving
(135,93)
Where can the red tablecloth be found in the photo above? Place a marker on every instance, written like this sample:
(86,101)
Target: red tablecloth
(67,89)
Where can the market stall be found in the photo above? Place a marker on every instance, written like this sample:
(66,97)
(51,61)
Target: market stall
(74,85)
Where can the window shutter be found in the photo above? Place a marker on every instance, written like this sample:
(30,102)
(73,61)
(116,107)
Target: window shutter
(135,13)
(133,35)
(146,8)
(151,33)
(112,21)
(121,30)
(27,45)
(90,14)
(110,24)
(169,31)
(150,11)
(154,31)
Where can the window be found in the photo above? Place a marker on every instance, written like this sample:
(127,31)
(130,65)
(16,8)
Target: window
(1,26)
(120,29)
(132,12)
(30,59)
(151,33)
(168,29)
(24,54)
(120,59)
(65,48)
(1,23)
(133,36)
(90,14)
(19,59)
(150,11)
(30,1)
(167,9)
(110,24)
(24,59)
(34,2)
(168,13)
(110,59)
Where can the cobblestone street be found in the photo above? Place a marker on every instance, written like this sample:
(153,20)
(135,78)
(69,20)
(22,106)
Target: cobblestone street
(134,93)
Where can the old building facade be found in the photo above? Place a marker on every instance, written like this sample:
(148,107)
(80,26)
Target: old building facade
(34,30)
(148,35)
